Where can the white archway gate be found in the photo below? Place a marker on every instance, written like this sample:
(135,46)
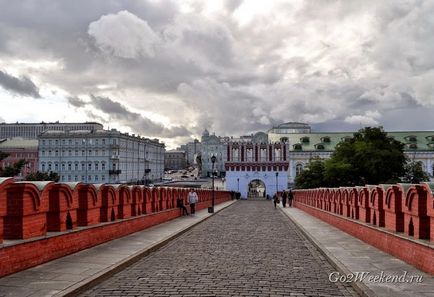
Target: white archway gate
(239,181)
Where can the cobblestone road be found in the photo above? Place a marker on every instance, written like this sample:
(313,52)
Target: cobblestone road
(249,249)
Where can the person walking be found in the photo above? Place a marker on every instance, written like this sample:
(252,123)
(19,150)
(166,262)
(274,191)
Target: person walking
(290,197)
(275,200)
(180,204)
(192,200)
(284,197)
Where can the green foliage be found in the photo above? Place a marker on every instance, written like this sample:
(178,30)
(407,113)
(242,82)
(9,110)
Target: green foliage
(3,155)
(414,173)
(312,176)
(43,176)
(369,157)
(14,170)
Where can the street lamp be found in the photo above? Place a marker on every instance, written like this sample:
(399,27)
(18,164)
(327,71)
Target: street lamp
(238,182)
(211,209)
(277,187)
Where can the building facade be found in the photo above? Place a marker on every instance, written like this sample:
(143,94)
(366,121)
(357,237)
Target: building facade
(255,167)
(192,150)
(20,149)
(212,145)
(32,130)
(303,145)
(174,160)
(101,156)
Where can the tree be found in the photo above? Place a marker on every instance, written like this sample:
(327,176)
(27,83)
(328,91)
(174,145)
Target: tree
(312,176)
(3,155)
(15,169)
(414,173)
(370,157)
(42,176)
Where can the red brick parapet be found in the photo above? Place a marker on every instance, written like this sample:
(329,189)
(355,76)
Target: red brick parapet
(103,212)
(398,219)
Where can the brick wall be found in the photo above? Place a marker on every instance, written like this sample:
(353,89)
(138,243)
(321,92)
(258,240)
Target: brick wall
(31,209)
(398,219)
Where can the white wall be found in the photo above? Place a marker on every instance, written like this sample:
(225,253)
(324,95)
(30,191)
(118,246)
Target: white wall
(245,177)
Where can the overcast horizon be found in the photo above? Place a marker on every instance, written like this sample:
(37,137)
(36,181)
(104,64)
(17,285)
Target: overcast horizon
(168,70)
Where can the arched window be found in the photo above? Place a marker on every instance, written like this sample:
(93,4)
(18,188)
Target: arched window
(43,166)
(298,169)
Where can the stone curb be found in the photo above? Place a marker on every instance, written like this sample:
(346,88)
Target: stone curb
(106,273)
(360,288)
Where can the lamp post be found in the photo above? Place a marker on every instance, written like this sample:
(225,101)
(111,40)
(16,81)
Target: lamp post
(238,183)
(211,209)
(277,187)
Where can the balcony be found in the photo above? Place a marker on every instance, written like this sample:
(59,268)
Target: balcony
(115,171)
(115,157)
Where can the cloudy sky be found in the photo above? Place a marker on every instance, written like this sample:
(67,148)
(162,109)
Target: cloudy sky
(169,69)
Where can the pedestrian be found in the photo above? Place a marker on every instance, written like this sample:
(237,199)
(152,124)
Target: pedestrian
(276,200)
(284,197)
(180,204)
(290,197)
(192,200)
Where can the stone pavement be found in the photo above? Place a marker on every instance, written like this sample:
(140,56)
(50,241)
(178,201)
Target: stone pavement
(65,275)
(352,255)
(249,249)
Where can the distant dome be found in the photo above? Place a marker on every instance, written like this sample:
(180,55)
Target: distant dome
(294,125)
(291,127)
(205,133)
(260,137)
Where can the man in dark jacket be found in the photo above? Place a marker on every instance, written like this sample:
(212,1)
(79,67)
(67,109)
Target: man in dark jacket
(180,204)
(284,197)
(290,197)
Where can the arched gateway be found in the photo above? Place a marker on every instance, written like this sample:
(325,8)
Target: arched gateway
(257,189)
(256,162)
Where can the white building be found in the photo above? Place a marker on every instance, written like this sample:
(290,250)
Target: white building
(192,149)
(101,156)
(212,145)
(32,130)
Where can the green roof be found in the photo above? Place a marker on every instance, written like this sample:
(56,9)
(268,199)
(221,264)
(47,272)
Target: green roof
(413,140)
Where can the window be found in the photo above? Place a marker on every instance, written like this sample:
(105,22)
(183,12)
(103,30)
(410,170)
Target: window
(96,177)
(298,169)
(57,153)
(304,139)
(76,166)
(63,166)
(49,166)
(76,178)
(103,141)
(76,152)
(49,152)
(69,178)
(83,153)
(43,167)
(90,152)
(83,167)
(325,139)
(69,153)
(297,147)
(96,166)
(43,153)
(69,166)
(89,178)
(103,166)
(89,166)
(102,177)
(56,166)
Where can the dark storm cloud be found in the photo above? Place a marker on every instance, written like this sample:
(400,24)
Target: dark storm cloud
(137,122)
(234,70)
(76,102)
(21,86)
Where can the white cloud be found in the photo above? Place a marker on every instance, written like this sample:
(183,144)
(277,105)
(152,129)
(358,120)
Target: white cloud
(369,118)
(124,35)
